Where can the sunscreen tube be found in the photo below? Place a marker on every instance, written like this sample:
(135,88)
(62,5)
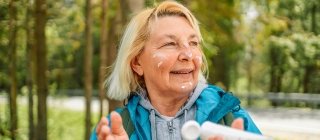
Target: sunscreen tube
(191,130)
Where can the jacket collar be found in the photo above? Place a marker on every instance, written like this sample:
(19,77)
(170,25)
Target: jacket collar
(139,116)
(212,104)
(213,107)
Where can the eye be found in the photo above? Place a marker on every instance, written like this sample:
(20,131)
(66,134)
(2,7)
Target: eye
(194,43)
(169,44)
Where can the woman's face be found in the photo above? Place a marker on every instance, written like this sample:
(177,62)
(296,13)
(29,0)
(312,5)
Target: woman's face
(171,59)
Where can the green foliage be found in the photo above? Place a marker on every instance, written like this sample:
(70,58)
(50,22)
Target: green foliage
(219,22)
(239,38)
(63,124)
(292,54)
(251,46)
(4,79)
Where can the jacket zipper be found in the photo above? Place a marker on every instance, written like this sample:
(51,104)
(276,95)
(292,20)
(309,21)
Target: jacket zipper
(170,128)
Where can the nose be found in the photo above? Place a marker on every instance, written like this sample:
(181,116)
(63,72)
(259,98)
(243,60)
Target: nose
(185,53)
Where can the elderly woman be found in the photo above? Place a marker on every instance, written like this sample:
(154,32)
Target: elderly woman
(160,70)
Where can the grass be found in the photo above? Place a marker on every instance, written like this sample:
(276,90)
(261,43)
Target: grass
(63,124)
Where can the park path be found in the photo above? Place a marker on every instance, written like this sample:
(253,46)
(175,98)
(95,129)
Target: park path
(288,123)
(279,123)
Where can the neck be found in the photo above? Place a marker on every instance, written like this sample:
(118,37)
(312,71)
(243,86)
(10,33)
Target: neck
(167,105)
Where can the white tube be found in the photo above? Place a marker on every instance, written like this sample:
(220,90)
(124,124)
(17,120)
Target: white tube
(191,130)
(209,129)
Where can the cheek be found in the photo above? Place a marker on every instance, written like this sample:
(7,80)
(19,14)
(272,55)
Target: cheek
(198,61)
(159,59)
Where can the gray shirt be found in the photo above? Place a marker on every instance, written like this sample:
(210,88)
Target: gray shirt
(164,128)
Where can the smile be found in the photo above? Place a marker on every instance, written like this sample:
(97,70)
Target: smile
(182,72)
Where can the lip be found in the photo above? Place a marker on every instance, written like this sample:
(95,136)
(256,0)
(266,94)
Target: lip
(182,71)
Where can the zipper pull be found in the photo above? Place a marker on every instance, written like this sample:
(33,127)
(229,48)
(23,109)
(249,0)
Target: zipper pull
(170,126)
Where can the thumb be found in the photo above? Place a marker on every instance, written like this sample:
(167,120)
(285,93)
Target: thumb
(238,124)
(116,124)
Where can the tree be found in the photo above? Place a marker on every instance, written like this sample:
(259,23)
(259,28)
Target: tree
(88,52)
(279,48)
(30,60)
(118,22)
(114,27)
(300,19)
(12,67)
(41,67)
(217,20)
(103,54)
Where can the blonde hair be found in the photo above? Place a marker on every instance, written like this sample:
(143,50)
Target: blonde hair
(122,79)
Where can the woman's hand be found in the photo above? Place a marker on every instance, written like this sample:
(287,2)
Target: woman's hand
(116,132)
(237,124)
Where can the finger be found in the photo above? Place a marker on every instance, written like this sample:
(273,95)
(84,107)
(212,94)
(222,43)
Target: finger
(105,131)
(238,124)
(216,138)
(110,137)
(116,124)
(103,122)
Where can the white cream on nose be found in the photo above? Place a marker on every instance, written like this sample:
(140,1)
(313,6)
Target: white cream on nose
(189,54)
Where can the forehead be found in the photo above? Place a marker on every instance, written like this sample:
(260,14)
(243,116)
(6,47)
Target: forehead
(168,26)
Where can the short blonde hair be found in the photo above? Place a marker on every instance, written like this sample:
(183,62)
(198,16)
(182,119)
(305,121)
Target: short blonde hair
(123,79)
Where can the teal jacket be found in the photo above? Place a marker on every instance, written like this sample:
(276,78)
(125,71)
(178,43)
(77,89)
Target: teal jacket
(212,104)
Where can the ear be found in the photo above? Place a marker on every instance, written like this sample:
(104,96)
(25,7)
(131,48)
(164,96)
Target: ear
(136,66)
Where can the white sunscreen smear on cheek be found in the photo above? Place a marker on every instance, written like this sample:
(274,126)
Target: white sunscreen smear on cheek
(159,56)
(154,55)
(159,64)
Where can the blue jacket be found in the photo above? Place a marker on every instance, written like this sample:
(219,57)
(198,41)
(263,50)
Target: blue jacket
(212,104)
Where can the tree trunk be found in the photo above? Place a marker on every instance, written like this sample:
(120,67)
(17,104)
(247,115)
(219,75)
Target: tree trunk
(114,26)
(136,5)
(273,73)
(306,78)
(125,11)
(41,67)
(220,70)
(88,52)
(314,19)
(12,68)
(274,69)
(103,54)
(30,75)
(250,75)
(280,73)
(272,79)
(119,22)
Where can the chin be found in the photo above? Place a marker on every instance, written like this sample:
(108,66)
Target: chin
(184,88)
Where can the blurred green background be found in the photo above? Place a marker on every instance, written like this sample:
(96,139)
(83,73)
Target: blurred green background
(267,52)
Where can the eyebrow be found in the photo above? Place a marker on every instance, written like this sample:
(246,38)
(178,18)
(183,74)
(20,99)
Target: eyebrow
(174,37)
(170,36)
(193,36)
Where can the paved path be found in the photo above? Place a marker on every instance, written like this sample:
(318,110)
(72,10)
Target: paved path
(288,124)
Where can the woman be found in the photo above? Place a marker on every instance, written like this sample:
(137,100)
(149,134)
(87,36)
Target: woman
(160,70)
